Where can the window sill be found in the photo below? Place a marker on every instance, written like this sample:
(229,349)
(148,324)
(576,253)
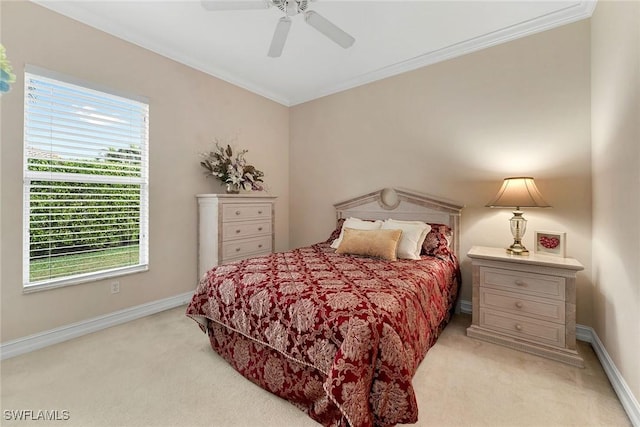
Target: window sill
(84,278)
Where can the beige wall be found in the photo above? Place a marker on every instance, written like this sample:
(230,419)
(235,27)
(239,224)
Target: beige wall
(615,107)
(455,130)
(187,110)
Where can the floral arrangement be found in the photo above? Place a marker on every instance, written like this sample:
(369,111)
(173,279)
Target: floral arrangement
(232,170)
(6,72)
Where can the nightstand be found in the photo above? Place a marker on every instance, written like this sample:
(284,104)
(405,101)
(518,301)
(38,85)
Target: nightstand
(525,302)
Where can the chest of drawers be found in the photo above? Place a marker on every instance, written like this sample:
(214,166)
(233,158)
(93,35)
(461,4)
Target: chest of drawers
(232,227)
(525,302)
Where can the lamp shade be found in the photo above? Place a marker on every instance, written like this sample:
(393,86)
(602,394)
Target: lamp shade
(518,192)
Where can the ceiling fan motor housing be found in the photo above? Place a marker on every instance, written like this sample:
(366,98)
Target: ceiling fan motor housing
(291,7)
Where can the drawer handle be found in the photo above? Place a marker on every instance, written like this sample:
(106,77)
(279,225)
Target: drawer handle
(259,228)
(237,212)
(237,249)
(519,304)
(259,212)
(237,231)
(259,246)
(520,283)
(518,327)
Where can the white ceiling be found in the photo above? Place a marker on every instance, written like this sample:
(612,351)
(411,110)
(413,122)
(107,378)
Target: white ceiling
(391,37)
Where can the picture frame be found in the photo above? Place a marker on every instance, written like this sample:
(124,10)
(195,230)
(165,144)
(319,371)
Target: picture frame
(552,243)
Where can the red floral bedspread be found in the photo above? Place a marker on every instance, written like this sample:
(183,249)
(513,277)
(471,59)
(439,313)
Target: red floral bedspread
(352,329)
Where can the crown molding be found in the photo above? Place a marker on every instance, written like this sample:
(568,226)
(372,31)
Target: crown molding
(71,11)
(568,15)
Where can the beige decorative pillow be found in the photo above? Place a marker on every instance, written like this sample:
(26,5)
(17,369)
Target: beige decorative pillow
(357,224)
(375,243)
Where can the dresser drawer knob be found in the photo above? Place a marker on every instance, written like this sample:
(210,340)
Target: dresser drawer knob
(259,228)
(237,249)
(259,212)
(518,327)
(237,231)
(237,212)
(520,283)
(519,304)
(260,246)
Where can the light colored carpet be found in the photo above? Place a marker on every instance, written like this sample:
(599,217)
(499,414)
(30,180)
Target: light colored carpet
(160,371)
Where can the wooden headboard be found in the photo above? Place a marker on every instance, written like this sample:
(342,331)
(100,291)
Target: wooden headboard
(404,205)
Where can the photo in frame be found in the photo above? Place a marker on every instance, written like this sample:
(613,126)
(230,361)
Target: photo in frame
(551,243)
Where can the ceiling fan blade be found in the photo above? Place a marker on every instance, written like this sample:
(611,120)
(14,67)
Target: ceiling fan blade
(328,28)
(279,37)
(235,4)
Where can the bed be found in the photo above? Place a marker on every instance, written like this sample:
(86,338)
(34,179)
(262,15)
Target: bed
(339,335)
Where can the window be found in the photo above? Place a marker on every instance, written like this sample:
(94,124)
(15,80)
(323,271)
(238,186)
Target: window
(85,182)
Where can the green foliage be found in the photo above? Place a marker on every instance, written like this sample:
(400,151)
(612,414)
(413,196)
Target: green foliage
(7,77)
(83,216)
(70,264)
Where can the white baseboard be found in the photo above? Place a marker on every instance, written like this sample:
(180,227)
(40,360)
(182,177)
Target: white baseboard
(464,306)
(64,333)
(74,330)
(620,386)
(588,334)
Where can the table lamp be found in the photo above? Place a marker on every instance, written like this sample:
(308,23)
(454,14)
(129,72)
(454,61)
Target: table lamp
(518,192)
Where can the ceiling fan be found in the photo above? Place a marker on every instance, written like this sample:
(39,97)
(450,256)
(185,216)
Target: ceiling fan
(290,8)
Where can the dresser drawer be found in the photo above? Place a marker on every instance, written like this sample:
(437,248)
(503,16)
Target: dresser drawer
(241,230)
(527,283)
(523,327)
(239,212)
(551,310)
(245,247)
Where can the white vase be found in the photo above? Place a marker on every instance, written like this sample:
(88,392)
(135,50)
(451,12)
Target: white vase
(233,188)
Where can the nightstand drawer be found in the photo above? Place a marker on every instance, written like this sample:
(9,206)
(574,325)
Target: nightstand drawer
(551,310)
(238,212)
(527,283)
(242,248)
(525,302)
(537,331)
(240,230)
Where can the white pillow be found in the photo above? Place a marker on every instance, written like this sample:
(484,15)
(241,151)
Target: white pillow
(413,235)
(356,224)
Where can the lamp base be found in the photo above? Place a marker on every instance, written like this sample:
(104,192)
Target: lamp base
(517,249)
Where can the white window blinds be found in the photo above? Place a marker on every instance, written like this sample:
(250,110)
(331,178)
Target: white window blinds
(85,182)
